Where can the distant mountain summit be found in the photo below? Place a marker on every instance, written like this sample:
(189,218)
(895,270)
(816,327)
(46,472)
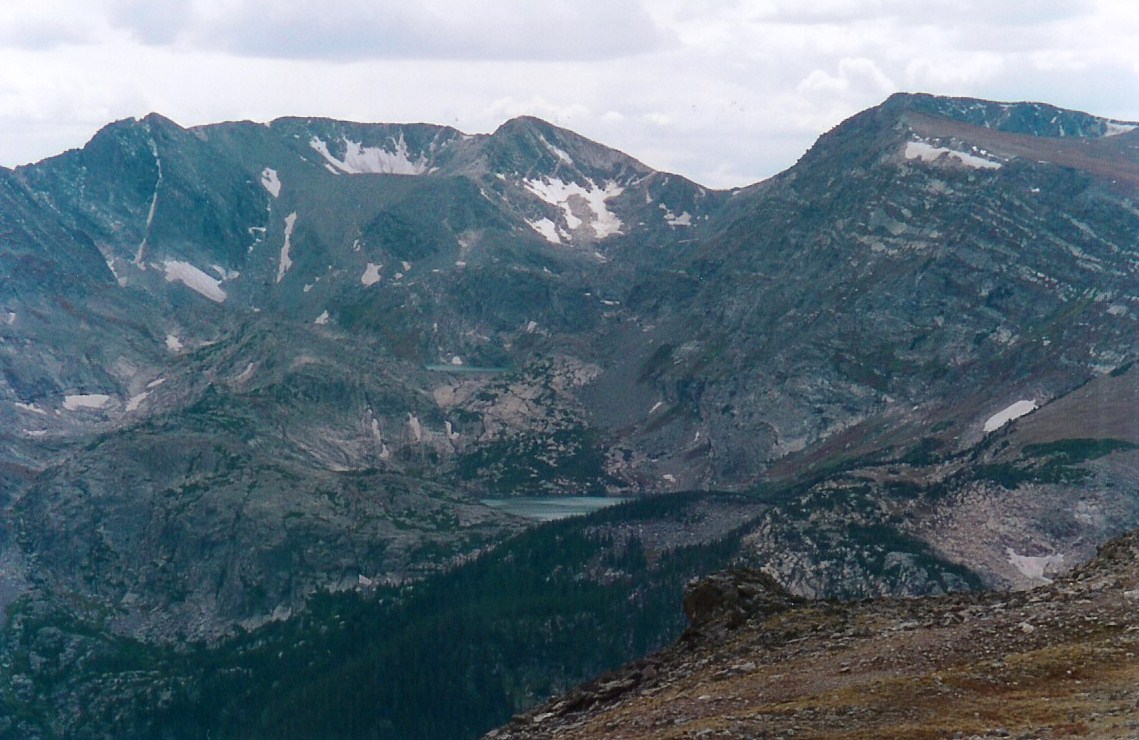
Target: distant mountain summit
(1032,119)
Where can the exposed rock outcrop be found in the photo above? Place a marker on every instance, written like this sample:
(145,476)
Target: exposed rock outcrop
(730,598)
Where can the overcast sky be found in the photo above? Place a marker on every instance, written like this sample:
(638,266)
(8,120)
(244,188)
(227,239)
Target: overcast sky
(726,92)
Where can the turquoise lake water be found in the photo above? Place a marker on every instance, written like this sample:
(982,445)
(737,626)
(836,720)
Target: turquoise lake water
(549,508)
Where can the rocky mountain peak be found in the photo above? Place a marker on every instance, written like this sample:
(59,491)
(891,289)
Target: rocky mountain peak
(1029,118)
(157,120)
(977,135)
(530,147)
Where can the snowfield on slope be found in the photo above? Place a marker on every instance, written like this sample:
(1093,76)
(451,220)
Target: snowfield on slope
(85,401)
(1035,567)
(1015,411)
(548,229)
(194,279)
(360,159)
(271,182)
(286,260)
(371,275)
(558,192)
(924,152)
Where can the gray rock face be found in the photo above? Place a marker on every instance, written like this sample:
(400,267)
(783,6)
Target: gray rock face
(732,597)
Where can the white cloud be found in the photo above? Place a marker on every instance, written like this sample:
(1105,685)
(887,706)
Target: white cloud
(559,113)
(657,118)
(860,76)
(33,24)
(953,72)
(153,22)
(364,29)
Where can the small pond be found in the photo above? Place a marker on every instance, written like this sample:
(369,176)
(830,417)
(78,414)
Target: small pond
(549,508)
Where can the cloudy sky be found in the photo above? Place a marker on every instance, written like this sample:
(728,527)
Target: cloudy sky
(726,92)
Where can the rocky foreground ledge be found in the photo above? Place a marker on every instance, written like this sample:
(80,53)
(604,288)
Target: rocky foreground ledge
(757,662)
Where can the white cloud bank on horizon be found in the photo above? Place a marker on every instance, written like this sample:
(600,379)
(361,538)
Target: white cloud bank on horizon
(724,92)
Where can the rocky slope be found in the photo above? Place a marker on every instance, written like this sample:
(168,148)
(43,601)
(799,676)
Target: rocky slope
(1056,661)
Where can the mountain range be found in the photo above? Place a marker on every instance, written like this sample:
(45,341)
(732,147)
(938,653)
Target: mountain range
(247,365)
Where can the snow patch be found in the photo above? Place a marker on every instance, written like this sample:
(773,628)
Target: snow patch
(1015,411)
(30,407)
(457,361)
(656,406)
(414,426)
(286,260)
(10,318)
(360,159)
(153,205)
(322,320)
(548,229)
(194,279)
(271,182)
(224,274)
(120,279)
(559,153)
(173,343)
(136,401)
(371,274)
(247,373)
(385,453)
(566,195)
(85,401)
(1114,128)
(928,153)
(1035,567)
